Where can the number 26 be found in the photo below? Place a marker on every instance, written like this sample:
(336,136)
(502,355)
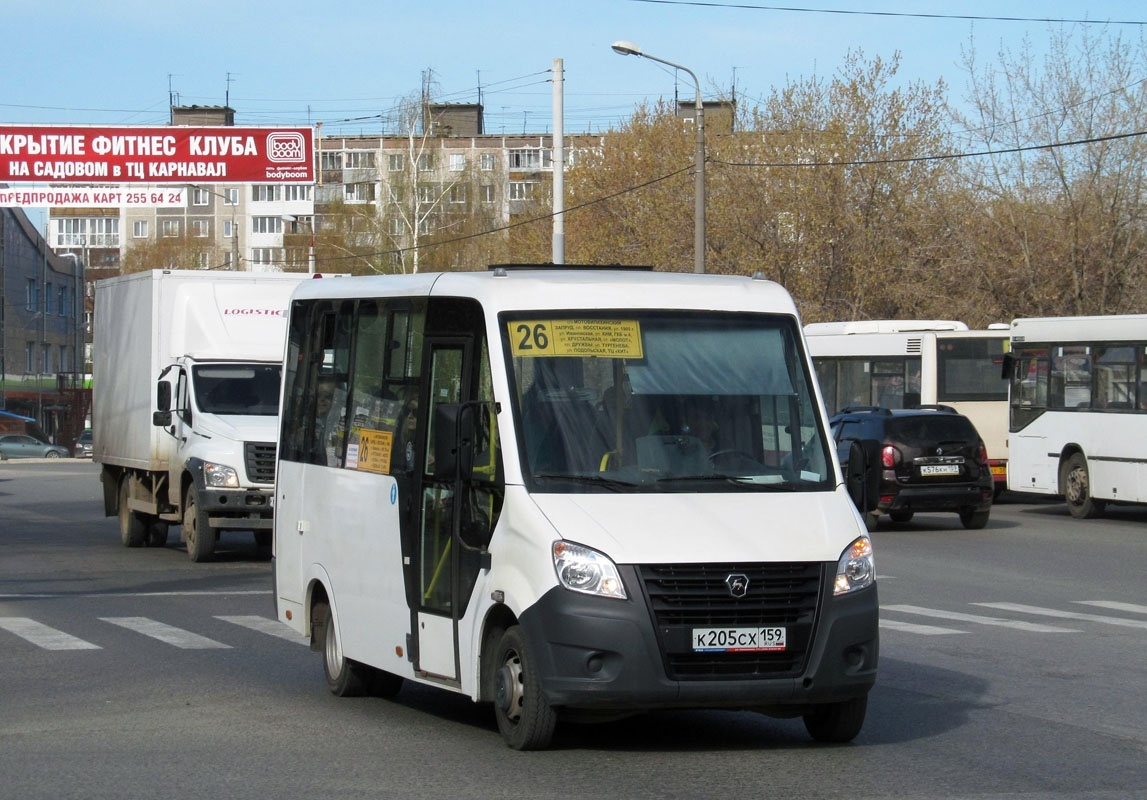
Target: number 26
(535,337)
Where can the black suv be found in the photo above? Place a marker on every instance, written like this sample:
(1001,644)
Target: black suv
(930,459)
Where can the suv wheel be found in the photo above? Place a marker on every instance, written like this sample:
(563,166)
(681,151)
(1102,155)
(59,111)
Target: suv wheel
(973,520)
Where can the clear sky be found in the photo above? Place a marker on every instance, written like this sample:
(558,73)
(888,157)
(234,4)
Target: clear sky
(345,63)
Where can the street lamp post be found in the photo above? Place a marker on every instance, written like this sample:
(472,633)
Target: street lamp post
(631,49)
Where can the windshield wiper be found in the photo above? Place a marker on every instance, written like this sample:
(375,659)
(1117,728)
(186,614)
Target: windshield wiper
(597,480)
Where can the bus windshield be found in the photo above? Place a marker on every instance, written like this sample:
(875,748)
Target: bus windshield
(645,401)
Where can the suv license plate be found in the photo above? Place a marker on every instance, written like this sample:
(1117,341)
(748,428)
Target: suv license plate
(940,469)
(738,640)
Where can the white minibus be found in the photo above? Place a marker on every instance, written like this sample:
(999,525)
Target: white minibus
(571,493)
(1079,410)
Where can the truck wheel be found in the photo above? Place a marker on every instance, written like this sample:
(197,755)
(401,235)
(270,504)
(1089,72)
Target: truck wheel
(1075,483)
(837,722)
(344,677)
(132,528)
(525,720)
(197,529)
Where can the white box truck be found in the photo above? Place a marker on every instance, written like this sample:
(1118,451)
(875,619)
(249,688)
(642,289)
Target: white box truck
(186,370)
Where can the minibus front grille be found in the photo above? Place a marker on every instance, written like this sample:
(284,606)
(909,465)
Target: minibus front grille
(260,462)
(688,597)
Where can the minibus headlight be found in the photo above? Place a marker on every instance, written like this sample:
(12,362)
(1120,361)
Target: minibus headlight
(855,569)
(581,569)
(219,476)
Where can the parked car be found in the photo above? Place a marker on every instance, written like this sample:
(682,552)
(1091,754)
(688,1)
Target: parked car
(83,445)
(931,459)
(17,445)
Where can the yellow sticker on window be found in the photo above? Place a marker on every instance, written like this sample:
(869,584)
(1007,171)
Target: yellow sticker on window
(606,338)
(370,450)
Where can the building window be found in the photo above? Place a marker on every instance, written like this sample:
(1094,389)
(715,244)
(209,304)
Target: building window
(62,301)
(266,225)
(231,196)
(265,192)
(169,228)
(360,159)
(522,190)
(296,192)
(487,192)
(486,162)
(31,295)
(103,232)
(200,228)
(200,197)
(457,194)
(332,160)
(139,229)
(29,357)
(530,159)
(359,192)
(394,226)
(457,162)
(46,359)
(396,193)
(396,162)
(48,299)
(426,162)
(228,228)
(264,255)
(426,193)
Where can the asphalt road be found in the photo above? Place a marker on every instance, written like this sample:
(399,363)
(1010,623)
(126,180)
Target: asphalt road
(1012,666)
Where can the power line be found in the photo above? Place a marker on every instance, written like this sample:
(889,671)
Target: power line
(916,15)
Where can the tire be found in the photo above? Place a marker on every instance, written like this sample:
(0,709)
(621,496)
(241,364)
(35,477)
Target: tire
(157,531)
(51,454)
(901,516)
(197,529)
(1075,483)
(525,720)
(132,528)
(385,684)
(345,678)
(837,722)
(974,520)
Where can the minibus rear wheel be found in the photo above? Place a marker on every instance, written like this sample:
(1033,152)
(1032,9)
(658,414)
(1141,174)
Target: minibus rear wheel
(525,720)
(345,678)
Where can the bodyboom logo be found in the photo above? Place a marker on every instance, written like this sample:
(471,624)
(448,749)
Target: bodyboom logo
(286,147)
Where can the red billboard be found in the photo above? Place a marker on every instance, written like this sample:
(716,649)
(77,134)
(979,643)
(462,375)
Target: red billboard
(169,154)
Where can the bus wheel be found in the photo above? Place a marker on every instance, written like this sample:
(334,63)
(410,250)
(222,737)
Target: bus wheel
(1076,486)
(132,528)
(345,678)
(837,722)
(525,720)
(197,529)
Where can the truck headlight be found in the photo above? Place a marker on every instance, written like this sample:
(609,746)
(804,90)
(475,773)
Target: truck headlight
(219,476)
(855,569)
(581,569)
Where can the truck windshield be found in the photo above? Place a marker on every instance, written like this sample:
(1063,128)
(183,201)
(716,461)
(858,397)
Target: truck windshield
(239,389)
(664,401)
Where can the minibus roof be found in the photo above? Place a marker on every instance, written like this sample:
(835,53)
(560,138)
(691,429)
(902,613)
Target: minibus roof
(581,287)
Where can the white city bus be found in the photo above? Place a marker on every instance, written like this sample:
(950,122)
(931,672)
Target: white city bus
(902,363)
(570,493)
(1079,410)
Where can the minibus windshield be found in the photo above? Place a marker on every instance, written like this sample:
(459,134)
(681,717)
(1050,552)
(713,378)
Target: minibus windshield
(664,401)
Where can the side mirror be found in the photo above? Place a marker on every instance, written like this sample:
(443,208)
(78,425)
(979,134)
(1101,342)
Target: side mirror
(453,440)
(161,419)
(163,396)
(1009,366)
(860,462)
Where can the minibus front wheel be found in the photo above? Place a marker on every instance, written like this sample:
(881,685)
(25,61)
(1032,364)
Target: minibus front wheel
(525,720)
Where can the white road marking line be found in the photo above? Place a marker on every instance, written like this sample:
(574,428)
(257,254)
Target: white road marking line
(1051,612)
(271,627)
(43,636)
(956,616)
(908,627)
(177,637)
(1114,605)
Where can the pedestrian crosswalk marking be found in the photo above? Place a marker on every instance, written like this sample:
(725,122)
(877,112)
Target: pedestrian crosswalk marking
(44,636)
(1114,605)
(956,616)
(177,637)
(909,627)
(1051,612)
(271,627)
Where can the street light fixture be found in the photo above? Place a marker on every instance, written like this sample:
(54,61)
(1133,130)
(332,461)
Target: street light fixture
(630,49)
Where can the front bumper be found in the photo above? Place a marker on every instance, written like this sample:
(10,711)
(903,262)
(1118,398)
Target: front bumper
(238,509)
(601,654)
